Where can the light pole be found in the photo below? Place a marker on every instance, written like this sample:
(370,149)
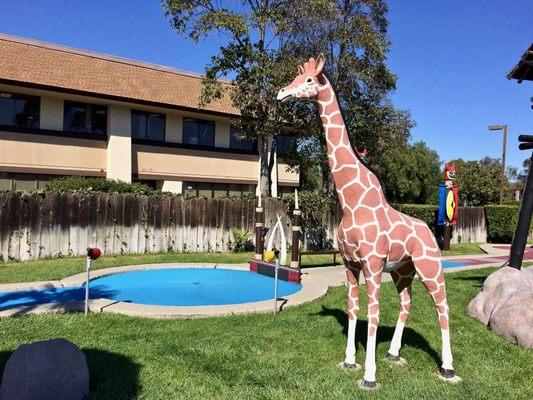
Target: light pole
(502,179)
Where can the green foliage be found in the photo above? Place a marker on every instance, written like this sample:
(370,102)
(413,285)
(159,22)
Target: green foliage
(501,223)
(479,181)
(412,174)
(241,240)
(424,212)
(311,203)
(79,184)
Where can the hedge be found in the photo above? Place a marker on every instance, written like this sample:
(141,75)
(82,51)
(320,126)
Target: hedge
(424,212)
(79,184)
(501,223)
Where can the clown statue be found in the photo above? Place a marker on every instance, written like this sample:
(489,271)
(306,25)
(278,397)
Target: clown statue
(448,205)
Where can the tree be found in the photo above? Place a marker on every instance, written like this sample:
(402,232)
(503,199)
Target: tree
(479,181)
(413,175)
(251,55)
(265,41)
(353,37)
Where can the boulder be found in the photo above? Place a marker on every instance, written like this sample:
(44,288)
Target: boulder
(51,369)
(505,304)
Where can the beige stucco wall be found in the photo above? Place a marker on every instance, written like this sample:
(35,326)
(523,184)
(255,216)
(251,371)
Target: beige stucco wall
(119,143)
(22,152)
(173,127)
(285,177)
(52,113)
(165,163)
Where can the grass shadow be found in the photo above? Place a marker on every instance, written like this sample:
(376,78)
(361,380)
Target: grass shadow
(111,375)
(410,337)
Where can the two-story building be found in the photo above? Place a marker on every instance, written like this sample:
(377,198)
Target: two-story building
(65,111)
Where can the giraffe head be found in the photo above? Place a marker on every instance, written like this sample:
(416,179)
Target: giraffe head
(307,83)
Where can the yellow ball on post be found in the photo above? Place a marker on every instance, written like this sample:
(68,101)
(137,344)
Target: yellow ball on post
(269,256)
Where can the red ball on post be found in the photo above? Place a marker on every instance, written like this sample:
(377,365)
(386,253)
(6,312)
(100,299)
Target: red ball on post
(93,253)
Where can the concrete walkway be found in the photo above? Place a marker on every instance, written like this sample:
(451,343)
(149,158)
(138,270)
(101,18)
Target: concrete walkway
(315,284)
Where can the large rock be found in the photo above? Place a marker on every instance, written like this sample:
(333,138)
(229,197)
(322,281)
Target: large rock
(51,369)
(505,304)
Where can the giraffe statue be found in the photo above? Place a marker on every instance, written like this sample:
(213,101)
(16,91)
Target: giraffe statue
(373,237)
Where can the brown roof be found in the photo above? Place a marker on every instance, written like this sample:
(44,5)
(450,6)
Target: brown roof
(41,64)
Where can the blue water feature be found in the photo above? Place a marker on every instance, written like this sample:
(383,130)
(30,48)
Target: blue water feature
(165,287)
(453,264)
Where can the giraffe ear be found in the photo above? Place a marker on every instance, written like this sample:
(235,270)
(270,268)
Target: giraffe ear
(320,62)
(300,69)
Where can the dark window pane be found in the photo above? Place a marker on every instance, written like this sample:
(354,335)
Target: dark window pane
(19,110)
(85,118)
(220,190)
(205,189)
(138,125)
(99,119)
(237,142)
(190,131)
(156,127)
(7,110)
(198,132)
(206,134)
(284,144)
(190,189)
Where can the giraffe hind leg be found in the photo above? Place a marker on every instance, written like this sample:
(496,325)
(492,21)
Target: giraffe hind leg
(432,277)
(403,279)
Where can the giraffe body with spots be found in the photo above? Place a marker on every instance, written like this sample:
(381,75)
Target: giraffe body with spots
(373,237)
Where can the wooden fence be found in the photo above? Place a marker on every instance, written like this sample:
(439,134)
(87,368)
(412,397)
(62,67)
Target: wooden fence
(34,226)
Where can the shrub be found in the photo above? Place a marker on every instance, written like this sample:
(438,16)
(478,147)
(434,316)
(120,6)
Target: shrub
(79,184)
(501,223)
(241,240)
(424,212)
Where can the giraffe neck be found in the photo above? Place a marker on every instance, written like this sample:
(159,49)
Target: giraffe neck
(349,173)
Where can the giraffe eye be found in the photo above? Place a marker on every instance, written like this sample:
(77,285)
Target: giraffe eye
(309,80)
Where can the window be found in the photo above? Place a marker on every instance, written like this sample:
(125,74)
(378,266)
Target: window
(284,144)
(215,190)
(19,110)
(85,118)
(236,141)
(147,125)
(198,132)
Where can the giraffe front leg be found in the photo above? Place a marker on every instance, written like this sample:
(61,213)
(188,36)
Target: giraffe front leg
(372,271)
(352,275)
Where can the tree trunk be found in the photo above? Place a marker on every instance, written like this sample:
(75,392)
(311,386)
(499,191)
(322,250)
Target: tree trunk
(264,170)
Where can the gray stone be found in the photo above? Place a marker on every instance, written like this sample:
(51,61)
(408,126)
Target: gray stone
(51,369)
(505,304)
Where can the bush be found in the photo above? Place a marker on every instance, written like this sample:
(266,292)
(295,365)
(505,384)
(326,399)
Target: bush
(79,184)
(501,223)
(242,240)
(424,212)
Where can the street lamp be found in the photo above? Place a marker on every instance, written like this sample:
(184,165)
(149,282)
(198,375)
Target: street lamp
(502,179)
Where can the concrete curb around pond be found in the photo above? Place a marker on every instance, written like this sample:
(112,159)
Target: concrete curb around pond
(315,284)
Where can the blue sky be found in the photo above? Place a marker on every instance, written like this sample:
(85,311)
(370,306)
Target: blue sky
(451,58)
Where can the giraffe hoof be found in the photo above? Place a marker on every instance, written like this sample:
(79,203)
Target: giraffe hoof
(368,385)
(395,359)
(349,367)
(448,375)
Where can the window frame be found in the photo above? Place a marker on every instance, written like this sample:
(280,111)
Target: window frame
(26,97)
(89,119)
(149,114)
(199,122)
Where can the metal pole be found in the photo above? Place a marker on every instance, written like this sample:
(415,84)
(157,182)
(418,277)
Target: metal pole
(88,267)
(502,179)
(516,255)
(276,267)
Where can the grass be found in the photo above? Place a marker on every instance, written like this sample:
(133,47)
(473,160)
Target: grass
(59,268)
(290,356)
(459,249)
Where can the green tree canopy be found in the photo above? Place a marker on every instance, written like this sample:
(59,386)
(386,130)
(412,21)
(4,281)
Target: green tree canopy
(479,181)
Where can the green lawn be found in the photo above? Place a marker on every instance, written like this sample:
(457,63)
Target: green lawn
(290,356)
(59,268)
